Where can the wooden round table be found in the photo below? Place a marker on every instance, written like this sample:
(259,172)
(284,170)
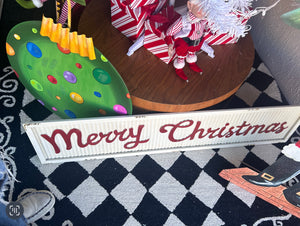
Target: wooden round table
(153,84)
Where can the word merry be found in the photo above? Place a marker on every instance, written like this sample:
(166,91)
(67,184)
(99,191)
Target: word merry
(128,136)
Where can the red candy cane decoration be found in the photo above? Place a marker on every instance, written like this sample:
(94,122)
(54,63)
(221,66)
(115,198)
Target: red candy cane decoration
(66,12)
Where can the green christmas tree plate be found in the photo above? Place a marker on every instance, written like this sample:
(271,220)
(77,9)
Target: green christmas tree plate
(66,83)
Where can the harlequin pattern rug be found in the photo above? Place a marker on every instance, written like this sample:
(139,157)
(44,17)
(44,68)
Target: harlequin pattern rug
(179,188)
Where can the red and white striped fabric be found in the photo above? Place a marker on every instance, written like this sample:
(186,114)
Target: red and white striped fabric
(156,45)
(155,34)
(139,3)
(220,39)
(130,21)
(64,12)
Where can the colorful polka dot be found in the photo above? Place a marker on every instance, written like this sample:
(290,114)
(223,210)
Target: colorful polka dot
(52,79)
(10,50)
(102,112)
(63,50)
(97,94)
(35,84)
(70,77)
(103,58)
(76,98)
(70,113)
(17,37)
(78,65)
(34,50)
(58,80)
(120,109)
(101,76)
(41,102)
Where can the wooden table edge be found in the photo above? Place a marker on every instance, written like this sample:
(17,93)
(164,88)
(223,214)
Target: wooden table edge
(147,105)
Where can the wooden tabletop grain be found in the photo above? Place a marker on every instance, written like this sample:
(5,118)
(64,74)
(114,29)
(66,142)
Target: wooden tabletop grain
(153,84)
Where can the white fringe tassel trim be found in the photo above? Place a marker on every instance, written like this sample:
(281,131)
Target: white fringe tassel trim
(292,151)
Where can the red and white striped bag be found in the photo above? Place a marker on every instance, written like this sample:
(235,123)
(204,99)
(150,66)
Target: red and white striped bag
(155,29)
(220,39)
(139,3)
(130,21)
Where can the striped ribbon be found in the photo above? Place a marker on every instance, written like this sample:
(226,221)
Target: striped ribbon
(65,11)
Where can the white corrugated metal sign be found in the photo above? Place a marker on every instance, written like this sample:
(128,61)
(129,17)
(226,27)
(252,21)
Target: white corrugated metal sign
(80,139)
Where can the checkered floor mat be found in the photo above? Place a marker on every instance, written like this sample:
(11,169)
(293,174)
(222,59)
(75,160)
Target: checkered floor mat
(179,188)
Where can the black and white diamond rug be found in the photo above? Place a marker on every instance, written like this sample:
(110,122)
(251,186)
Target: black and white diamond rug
(178,188)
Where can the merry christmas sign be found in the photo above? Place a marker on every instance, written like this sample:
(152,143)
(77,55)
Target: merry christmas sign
(81,139)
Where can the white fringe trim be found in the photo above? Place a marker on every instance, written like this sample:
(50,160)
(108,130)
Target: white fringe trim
(292,151)
(222,15)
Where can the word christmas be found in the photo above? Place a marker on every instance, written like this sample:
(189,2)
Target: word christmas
(184,130)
